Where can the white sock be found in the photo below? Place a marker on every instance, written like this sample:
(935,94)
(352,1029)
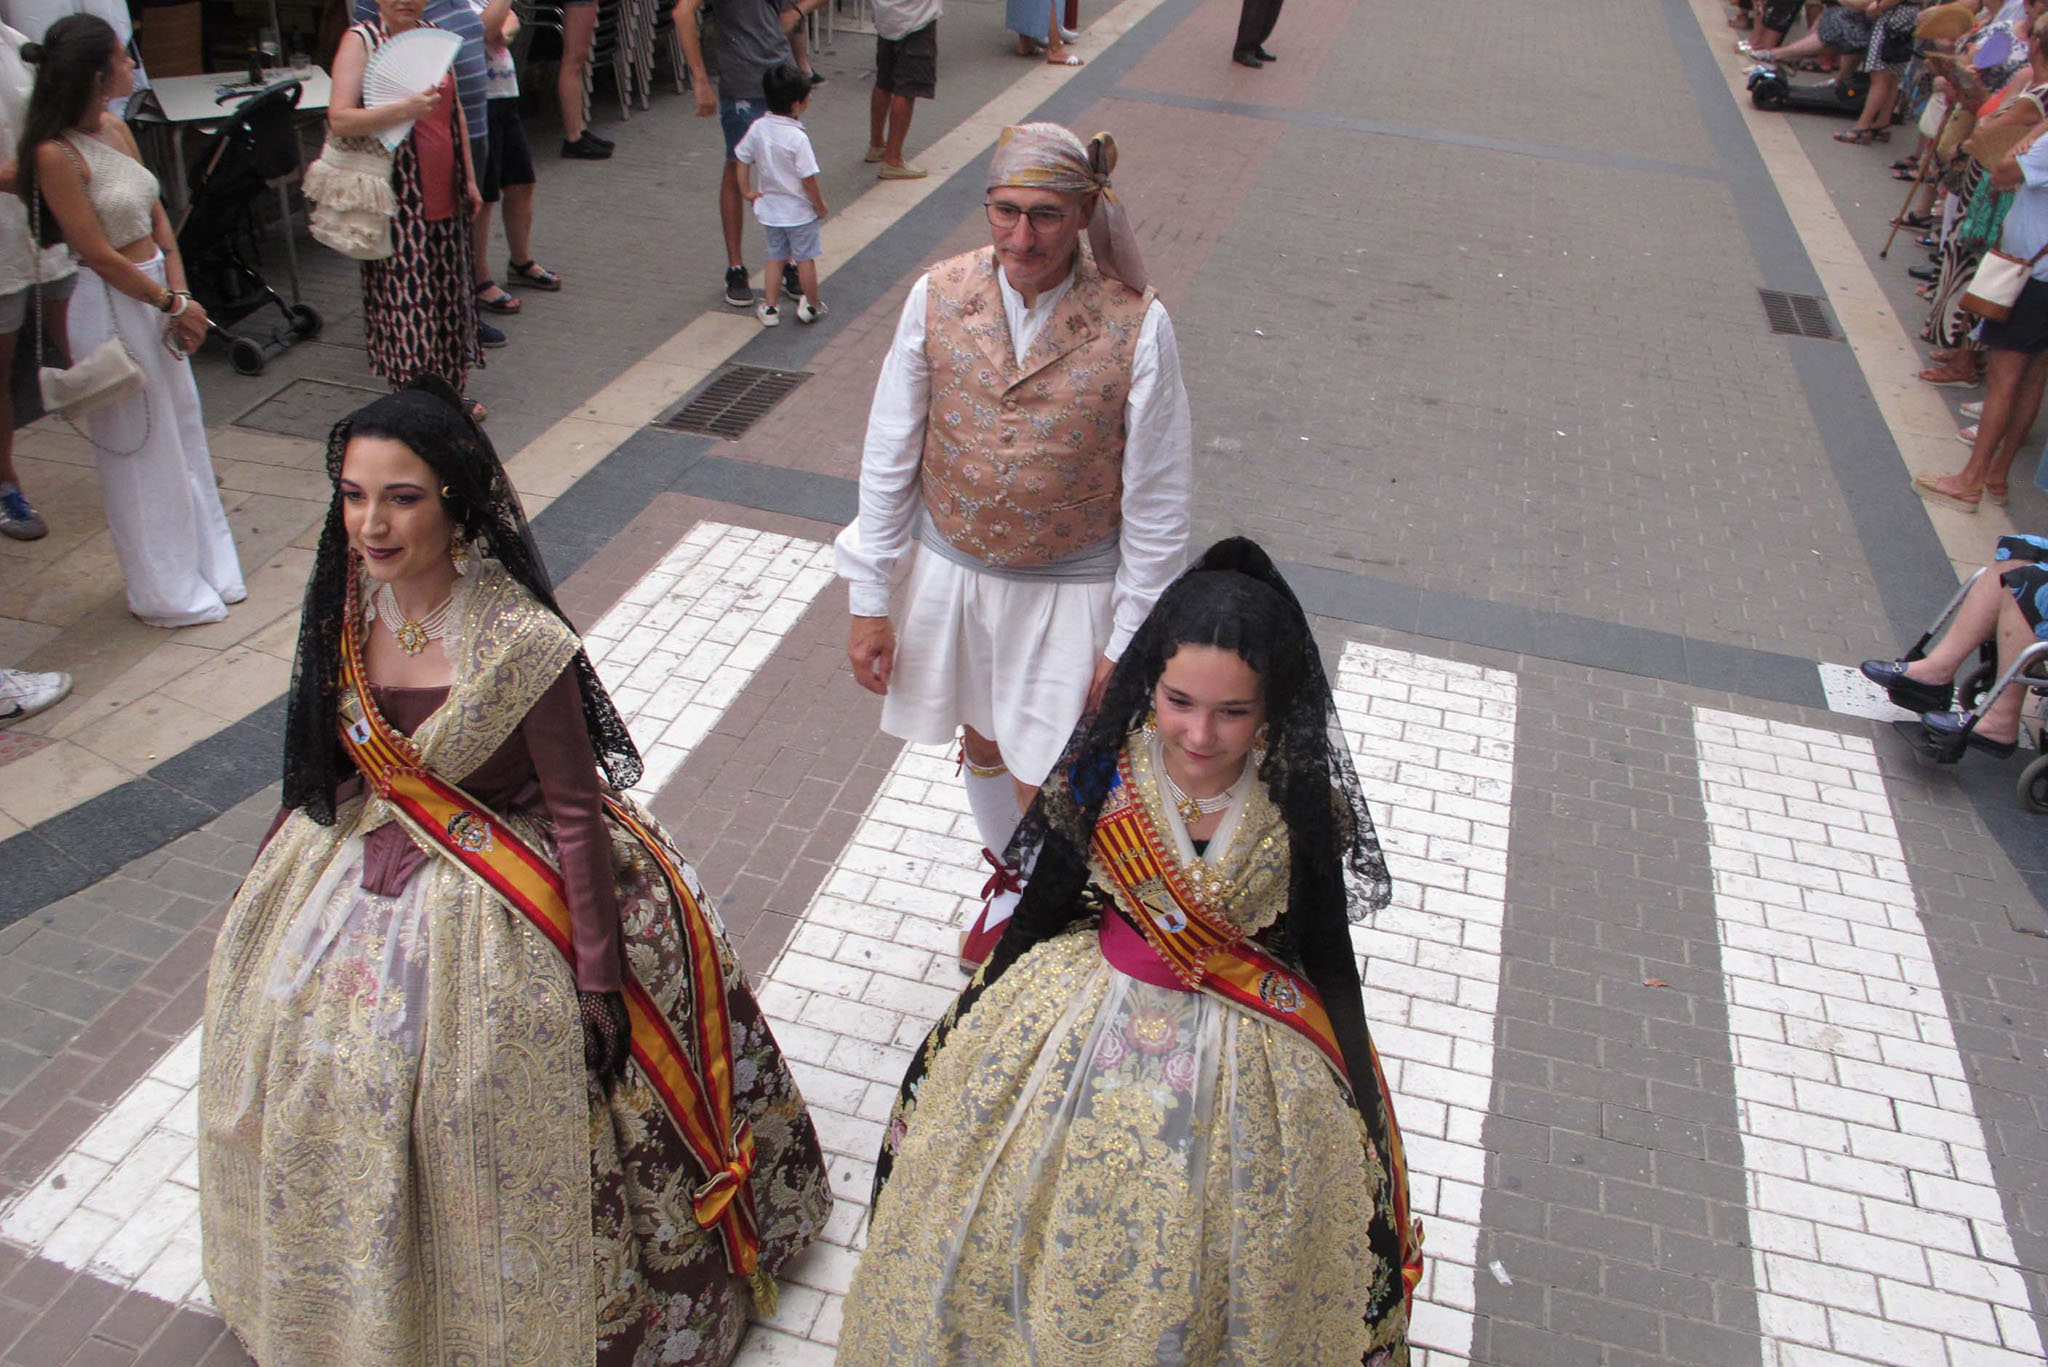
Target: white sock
(993,799)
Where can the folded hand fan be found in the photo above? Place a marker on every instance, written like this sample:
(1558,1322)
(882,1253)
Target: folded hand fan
(407,65)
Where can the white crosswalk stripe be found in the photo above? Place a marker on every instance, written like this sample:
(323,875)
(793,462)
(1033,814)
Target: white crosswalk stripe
(1876,1230)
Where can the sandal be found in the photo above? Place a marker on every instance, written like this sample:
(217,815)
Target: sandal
(1995,494)
(504,303)
(1903,164)
(531,275)
(1925,486)
(1069,60)
(1913,220)
(1857,137)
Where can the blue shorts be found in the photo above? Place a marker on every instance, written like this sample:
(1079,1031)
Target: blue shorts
(799,243)
(736,117)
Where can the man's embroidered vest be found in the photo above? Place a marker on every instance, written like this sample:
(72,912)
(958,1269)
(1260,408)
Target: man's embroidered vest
(1023,464)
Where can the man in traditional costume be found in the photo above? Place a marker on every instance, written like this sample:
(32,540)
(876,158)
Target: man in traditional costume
(1030,437)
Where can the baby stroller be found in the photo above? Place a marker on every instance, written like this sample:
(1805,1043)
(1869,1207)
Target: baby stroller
(223,226)
(1978,685)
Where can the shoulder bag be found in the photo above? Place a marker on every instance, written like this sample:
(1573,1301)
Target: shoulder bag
(107,374)
(1996,286)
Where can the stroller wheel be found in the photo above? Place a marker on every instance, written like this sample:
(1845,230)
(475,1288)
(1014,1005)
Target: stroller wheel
(306,321)
(2034,785)
(246,356)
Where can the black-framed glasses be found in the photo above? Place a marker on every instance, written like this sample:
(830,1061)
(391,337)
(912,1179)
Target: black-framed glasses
(1044,219)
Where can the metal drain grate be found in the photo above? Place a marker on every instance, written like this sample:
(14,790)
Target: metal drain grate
(1797,315)
(737,397)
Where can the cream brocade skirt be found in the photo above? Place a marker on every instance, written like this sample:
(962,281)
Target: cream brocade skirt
(403,1159)
(1102,1171)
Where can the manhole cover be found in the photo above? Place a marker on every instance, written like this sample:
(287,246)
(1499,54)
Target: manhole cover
(307,408)
(1797,315)
(737,397)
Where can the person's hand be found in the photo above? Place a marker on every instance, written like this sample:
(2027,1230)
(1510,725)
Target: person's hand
(607,1033)
(871,650)
(476,200)
(420,106)
(1099,685)
(751,195)
(191,325)
(707,98)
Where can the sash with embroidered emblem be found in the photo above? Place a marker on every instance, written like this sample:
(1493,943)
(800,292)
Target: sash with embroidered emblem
(698,1101)
(1206,954)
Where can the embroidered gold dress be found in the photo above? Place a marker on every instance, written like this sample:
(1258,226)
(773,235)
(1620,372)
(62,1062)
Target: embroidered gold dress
(403,1159)
(1090,1168)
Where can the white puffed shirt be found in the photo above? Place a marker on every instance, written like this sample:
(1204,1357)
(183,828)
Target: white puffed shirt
(1158,465)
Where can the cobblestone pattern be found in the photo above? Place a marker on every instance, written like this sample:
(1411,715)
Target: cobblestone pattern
(1615,1203)
(1876,1230)
(1613,475)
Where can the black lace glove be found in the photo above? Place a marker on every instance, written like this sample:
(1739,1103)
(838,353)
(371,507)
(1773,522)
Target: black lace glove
(607,1033)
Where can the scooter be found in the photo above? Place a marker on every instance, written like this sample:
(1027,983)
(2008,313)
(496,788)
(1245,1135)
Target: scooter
(1771,87)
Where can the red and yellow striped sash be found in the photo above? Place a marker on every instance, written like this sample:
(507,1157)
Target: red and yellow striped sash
(699,1102)
(1209,955)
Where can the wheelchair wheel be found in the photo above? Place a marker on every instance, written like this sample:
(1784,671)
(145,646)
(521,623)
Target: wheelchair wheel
(246,356)
(1768,91)
(306,321)
(2034,785)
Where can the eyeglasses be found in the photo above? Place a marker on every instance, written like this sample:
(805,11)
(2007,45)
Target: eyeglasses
(1003,214)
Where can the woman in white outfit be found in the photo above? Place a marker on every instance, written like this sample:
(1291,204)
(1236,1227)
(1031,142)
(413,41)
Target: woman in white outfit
(156,476)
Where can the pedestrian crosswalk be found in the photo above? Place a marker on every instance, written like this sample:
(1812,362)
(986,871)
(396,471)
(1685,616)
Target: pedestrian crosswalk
(1878,1232)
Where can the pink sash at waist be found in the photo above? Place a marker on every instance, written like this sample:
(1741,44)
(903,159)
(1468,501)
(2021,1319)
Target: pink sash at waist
(1130,954)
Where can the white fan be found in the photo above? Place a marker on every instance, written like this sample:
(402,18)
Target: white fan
(413,62)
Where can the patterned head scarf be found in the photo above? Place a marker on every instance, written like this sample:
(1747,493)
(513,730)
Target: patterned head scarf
(1046,156)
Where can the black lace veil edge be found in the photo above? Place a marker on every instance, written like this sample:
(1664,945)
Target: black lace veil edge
(426,415)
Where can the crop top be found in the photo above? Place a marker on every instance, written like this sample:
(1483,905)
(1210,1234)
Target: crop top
(121,190)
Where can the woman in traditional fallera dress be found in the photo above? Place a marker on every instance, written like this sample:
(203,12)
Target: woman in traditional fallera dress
(1152,1130)
(481,1080)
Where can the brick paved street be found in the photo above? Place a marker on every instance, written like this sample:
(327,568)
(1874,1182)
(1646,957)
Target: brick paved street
(1717,1021)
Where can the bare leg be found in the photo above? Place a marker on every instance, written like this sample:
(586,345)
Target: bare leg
(1976,618)
(519,221)
(899,128)
(579,26)
(771,282)
(7,472)
(1055,47)
(2002,722)
(731,205)
(878,117)
(1809,46)
(2004,372)
(800,48)
(807,276)
(2026,408)
(1877,106)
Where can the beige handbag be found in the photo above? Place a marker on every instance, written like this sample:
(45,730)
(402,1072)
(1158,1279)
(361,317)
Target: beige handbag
(1996,286)
(353,199)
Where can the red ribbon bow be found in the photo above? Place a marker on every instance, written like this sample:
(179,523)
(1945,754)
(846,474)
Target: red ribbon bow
(1006,878)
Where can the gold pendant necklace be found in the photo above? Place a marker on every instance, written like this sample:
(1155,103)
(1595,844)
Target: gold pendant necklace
(1193,809)
(412,636)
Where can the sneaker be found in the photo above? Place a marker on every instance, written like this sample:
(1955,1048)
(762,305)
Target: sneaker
(792,284)
(486,335)
(889,172)
(875,154)
(738,292)
(18,517)
(591,135)
(23,694)
(806,314)
(816,78)
(769,316)
(1971,410)
(586,148)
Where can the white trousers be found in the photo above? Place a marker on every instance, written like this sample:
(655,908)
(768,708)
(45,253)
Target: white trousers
(1011,658)
(163,507)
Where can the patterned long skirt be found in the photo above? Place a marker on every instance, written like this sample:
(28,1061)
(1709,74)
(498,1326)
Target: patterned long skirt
(1976,229)
(419,305)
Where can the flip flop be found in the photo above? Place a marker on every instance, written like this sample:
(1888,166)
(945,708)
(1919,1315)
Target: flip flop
(1924,486)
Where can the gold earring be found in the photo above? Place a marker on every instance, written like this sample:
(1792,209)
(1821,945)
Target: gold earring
(458,552)
(1151,724)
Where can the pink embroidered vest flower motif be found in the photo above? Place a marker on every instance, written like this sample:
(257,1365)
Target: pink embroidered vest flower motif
(1024,464)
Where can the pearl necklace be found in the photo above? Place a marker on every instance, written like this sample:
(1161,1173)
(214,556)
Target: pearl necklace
(1193,809)
(412,636)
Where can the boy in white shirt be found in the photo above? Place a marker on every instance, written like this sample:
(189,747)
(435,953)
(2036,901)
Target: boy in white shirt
(779,175)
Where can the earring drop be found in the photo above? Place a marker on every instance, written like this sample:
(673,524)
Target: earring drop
(458,554)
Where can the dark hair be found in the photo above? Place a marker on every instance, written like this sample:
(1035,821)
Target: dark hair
(785,88)
(428,417)
(73,55)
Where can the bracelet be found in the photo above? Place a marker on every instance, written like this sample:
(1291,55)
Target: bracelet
(170,298)
(184,302)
